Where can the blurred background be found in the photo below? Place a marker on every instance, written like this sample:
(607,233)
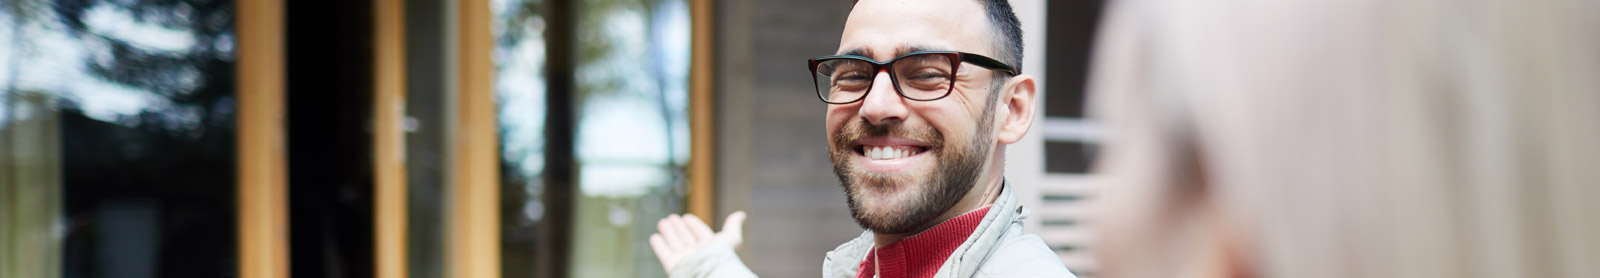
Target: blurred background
(453,138)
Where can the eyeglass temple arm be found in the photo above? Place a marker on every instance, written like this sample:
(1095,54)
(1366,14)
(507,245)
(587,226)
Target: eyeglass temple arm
(988,63)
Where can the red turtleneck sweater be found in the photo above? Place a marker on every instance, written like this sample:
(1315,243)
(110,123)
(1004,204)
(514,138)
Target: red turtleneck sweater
(922,254)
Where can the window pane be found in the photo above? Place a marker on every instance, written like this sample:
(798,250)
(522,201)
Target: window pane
(117,124)
(427,135)
(632,141)
(520,92)
(631,137)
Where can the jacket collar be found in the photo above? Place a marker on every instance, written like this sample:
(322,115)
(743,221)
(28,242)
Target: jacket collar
(845,260)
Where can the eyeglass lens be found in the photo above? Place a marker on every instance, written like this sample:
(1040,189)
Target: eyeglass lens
(918,77)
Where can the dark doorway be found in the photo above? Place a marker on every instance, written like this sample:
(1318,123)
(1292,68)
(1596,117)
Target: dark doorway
(330,139)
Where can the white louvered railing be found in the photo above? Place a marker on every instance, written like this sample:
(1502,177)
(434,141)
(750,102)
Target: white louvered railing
(1066,217)
(1066,214)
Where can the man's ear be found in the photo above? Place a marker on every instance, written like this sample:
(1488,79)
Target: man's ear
(1019,101)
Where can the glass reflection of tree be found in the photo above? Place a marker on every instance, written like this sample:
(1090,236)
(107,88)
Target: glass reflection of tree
(632,92)
(520,97)
(628,52)
(595,47)
(630,64)
(196,77)
(174,155)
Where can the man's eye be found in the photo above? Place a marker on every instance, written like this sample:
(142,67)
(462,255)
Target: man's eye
(929,79)
(851,79)
(929,75)
(853,76)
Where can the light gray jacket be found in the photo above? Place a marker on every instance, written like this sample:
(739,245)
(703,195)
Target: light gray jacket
(998,248)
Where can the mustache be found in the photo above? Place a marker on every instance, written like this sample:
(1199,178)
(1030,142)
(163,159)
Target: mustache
(858,129)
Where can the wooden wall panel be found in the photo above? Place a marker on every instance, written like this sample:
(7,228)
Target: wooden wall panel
(474,236)
(701,101)
(262,201)
(389,163)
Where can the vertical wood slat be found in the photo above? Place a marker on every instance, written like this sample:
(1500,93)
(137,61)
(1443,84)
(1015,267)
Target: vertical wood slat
(262,173)
(474,236)
(701,134)
(389,165)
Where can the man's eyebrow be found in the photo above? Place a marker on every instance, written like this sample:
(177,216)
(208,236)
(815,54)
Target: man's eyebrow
(859,51)
(901,50)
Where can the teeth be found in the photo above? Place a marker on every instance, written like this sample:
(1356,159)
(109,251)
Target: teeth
(881,153)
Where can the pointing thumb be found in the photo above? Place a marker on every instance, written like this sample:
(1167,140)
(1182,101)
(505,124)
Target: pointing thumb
(733,229)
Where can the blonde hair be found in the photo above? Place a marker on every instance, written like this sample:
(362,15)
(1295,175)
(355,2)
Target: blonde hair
(1340,138)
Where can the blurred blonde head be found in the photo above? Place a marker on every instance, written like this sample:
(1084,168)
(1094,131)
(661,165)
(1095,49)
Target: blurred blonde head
(1350,138)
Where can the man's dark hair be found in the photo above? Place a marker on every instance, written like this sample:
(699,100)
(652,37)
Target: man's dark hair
(1008,43)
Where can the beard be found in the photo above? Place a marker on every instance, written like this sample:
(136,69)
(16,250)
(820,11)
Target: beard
(905,201)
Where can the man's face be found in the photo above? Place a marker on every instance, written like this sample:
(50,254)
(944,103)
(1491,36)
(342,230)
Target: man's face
(936,149)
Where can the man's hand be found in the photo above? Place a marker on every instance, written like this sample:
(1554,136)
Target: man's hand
(678,236)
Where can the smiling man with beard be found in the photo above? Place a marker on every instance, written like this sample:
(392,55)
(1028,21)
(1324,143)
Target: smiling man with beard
(918,117)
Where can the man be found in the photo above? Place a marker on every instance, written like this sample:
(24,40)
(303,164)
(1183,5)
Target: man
(918,117)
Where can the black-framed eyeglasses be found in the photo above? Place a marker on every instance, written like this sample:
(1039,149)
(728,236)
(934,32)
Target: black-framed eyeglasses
(921,75)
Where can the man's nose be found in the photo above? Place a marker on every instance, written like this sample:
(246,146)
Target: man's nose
(883,105)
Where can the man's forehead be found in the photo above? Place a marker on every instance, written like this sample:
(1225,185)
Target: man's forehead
(883,29)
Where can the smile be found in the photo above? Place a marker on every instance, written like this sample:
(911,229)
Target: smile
(889,154)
